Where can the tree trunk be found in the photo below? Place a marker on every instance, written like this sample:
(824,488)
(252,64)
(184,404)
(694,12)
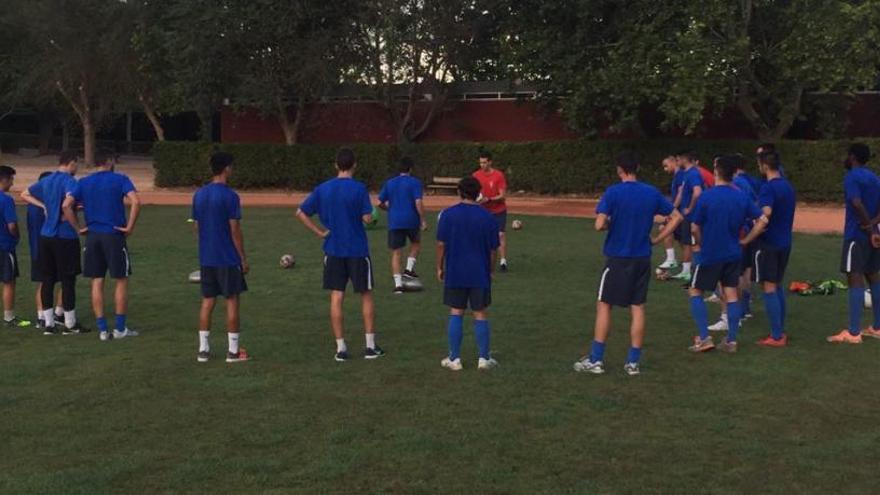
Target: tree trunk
(88,140)
(46,126)
(206,123)
(290,128)
(153,117)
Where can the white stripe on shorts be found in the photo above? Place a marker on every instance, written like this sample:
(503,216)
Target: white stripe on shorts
(12,260)
(852,244)
(694,277)
(757,266)
(602,282)
(127,262)
(369,274)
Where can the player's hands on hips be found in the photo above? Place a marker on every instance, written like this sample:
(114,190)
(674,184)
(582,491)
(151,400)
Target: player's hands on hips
(245,266)
(125,230)
(440,274)
(84,231)
(324,235)
(875,240)
(424,225)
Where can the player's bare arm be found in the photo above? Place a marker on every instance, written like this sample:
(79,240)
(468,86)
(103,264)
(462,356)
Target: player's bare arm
(602,222)
(865,220)
(672,223)
(12,227)
(441,258)
(420,207)
(759,227)
(133,214)
(307,221)
(70,216)
(694,197)
(28,198)
(697,233)
(238,242)
(382,205)
(677,202)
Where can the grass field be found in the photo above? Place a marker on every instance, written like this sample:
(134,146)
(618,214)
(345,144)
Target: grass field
(141,416)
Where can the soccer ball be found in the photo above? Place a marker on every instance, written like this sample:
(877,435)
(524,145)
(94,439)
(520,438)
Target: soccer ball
(516,224)
(868,302)
(287,261)
(662,274)
(195,277)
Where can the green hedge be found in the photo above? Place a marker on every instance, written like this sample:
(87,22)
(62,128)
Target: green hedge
(556,167)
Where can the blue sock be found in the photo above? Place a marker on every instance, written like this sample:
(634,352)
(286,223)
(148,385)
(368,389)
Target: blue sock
(875,302)
(701,316)
(597,351)
(774,314)
(635,353)
(481,331)
(455,331)
(747,302)
(120,323)
(734,313)
(856,301)
(102,324)
(780,292)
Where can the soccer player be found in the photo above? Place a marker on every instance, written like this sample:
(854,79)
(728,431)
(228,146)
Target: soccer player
(103,195)
(9,236)
(59,247)
(343,205)
(670,166)
(627,211)
(771,252)
(691,188)
(717,219)
(493,189)
(217,213)
(402,197)
(861,256)
(35,219)
(467,240)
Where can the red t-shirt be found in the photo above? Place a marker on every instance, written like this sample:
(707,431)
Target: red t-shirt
(708,177)
(492,184)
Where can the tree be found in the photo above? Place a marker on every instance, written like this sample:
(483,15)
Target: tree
(410,51)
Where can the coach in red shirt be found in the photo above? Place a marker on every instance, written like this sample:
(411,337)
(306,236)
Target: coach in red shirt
(493,187)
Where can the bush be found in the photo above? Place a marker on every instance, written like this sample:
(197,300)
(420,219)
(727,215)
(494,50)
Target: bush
(552,167)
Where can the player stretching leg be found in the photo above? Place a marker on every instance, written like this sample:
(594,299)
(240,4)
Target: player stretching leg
(103,195)
(670,166)
(343,205)
(217,213)
(402,197)
(717,218)
(627,211)
(861,257)
(467,239)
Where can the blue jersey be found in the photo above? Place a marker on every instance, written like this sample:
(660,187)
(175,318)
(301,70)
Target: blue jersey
(341,204)
(214,206)
(35,220)
(102,195)
(742,182)
(862,184)
(779,195)
(631,207)
(52,191)
(690,179)
(401,194)
(470,234)
(677,178)
(721,212)
(7,215)
(756,182)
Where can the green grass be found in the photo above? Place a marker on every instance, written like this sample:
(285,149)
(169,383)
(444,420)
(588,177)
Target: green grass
(141,416)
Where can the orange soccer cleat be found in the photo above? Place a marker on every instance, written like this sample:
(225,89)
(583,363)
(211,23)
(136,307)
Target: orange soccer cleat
(769,341)
(844,337)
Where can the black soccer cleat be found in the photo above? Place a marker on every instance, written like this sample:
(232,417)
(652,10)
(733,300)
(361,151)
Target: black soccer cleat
(410,274)
(503,267)
(74,330)
(373,353)
(53,330)
(399,289)
(341,357)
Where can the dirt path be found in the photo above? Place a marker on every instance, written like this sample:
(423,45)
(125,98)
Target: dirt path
(808,218)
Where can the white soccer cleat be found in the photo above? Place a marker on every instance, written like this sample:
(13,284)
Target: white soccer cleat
(104,336)
(451,365)
(125,333)
(587,366)
(720,326)
(668,265)
(486,364)
(631,369)
(713,298)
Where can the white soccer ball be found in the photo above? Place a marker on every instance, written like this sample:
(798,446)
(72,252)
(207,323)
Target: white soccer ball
(868,302)
(287,261)
(516,224)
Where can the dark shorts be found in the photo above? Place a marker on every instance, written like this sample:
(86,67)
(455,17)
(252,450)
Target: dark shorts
(859,257)
(35,270)
(769,263)
(8,266)
(106,252)
(707,277)
(226,281)
(338,271)
(477,299)
(748,258)
(683,234)
(397,237)
(624,281)
(501,218)
(58,258)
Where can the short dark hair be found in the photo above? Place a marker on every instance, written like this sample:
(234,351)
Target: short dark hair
(740,161)
(345,159)
(469,188)
(725,166)
(770,159)
(67,156)
(691,155)
(486,154)
(102,158)
(406,165)
(6,172)
(219,161)
(628,162)
(861,152)
(44,175)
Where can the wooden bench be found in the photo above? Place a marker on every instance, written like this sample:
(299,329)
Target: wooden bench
(439,184)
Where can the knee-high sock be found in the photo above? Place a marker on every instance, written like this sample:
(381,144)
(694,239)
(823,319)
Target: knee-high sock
(746,302)
(47,295)
(856,301)
(481,332)
(455,332)
(701,316)
(734,313)
(875,303)
(68,293)
(774,314)
(780,293)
